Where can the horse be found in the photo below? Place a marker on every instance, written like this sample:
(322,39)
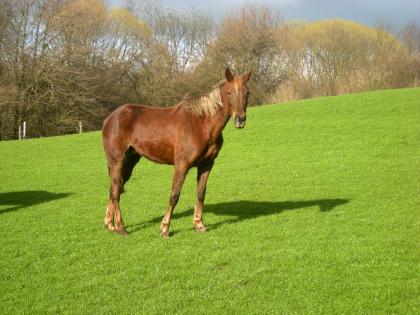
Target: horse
(186,135)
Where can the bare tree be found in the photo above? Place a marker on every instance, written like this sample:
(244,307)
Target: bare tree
(247,40)
(65,61)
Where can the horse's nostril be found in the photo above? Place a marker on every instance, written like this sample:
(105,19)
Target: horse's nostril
(240,121)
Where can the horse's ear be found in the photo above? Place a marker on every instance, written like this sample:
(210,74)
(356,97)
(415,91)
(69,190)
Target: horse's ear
(247,76)
(228,75)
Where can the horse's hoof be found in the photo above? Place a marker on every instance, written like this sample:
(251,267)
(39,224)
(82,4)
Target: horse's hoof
(164,234)
(201,229)
(122,231)
(110,227)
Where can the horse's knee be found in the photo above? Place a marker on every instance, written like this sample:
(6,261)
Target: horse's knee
(173,199)
(201,195)
(116,190)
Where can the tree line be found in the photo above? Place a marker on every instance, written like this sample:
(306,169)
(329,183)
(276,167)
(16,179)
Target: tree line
(65,61)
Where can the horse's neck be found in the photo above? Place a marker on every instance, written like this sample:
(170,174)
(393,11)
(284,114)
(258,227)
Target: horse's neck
(216,123)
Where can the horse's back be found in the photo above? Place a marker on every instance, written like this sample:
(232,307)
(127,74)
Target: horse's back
(126,117)
(151,131)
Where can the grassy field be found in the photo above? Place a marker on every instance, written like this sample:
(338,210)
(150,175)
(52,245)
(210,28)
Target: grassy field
(313,208)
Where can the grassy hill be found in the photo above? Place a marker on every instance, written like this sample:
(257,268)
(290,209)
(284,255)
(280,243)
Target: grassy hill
(312,208)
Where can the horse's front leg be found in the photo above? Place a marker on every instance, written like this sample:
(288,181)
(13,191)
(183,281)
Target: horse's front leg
(203,172)
(178,179)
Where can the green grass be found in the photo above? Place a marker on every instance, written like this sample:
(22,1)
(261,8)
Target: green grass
(313,208)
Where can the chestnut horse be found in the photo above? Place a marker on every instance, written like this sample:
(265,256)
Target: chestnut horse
(186,135)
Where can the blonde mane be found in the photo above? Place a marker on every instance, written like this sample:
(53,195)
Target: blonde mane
(205,105)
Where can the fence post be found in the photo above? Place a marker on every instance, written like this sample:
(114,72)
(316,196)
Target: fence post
(80,127)
(24,130)
(20,132)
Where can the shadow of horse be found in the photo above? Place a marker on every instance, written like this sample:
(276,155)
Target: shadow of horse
(247,210)
(23,199)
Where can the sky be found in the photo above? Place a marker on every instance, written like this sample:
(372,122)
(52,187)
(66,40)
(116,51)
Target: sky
(395,13)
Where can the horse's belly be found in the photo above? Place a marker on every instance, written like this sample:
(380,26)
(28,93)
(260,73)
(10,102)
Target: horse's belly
(157,152)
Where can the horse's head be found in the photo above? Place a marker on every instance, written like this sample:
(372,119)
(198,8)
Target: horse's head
(237,96)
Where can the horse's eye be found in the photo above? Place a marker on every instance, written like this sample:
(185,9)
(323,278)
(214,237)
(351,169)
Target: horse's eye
(229,93)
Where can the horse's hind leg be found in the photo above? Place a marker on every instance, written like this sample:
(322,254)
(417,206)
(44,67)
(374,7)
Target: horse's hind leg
(109,212)
(109,216)
(119,172)
(113,210)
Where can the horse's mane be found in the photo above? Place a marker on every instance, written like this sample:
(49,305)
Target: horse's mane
(205,105)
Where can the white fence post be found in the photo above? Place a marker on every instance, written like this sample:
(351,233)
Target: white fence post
(24,130)
(80,127)
(20,132)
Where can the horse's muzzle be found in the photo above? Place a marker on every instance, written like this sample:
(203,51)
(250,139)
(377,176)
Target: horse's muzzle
(240,121)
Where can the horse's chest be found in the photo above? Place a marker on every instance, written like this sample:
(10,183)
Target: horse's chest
(212,150)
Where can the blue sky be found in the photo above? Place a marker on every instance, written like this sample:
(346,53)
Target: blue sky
(370,12)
